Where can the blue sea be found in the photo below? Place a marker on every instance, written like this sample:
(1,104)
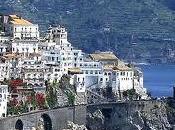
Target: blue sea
(159,79)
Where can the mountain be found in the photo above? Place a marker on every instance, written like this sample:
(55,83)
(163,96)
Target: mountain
(106,24)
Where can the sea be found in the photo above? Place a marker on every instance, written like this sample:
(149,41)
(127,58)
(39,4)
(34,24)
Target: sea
(159,79)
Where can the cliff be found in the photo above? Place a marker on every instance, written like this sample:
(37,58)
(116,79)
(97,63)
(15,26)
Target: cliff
(149,115)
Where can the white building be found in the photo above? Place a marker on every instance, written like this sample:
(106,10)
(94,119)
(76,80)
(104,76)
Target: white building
(3,100)
(33,70)
(4,39)
(20,28)
(4,48)
(37,61)
(25,47)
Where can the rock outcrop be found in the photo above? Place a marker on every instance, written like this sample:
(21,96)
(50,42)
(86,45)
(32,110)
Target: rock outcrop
(130,116)
(72,126)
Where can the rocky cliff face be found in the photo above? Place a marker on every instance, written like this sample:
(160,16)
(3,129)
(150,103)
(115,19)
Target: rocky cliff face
(131,116)
(72,126)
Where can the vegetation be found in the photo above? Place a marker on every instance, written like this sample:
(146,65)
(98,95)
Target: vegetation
(68,89)
(130,94)
(106,25)
(71,97)
(51,95)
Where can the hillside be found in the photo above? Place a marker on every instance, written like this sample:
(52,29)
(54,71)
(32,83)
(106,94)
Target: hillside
(105,24)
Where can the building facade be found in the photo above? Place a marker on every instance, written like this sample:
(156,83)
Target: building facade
(20,28)
(36,61)
(3,100)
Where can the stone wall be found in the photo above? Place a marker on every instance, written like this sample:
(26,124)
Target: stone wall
(59,118)
(133,115)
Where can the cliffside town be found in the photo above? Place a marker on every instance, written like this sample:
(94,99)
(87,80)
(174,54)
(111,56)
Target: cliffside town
(46,72)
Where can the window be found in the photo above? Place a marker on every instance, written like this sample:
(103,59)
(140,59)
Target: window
(96,72)
(75,54)
(131,74)
(57,70)
(121,73)
(117,74)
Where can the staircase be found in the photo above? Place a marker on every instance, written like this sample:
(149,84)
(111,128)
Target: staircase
(93,96)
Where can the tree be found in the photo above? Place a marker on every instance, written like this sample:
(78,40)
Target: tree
(51,93)
(131,94)
(40,100)
(71,97)
(51,97)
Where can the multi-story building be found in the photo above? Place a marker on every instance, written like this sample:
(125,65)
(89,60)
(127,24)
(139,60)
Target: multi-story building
(20,28)
(4,48)
(24,47)
(35,61)
(3,100)
(4,38)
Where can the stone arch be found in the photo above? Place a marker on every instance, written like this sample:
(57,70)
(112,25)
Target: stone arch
(47,122)
(19,125)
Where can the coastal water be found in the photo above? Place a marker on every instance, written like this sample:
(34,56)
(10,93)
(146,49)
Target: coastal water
(159,79)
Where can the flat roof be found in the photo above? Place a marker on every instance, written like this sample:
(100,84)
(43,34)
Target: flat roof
(19,21)
(75,71)
(117,67)
(102,56)
(122,68)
